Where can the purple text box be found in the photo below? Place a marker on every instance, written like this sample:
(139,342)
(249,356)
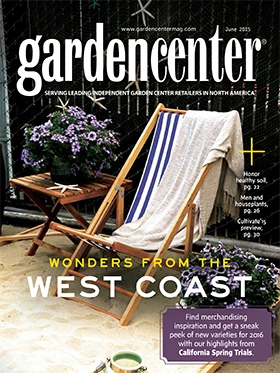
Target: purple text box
(216,334)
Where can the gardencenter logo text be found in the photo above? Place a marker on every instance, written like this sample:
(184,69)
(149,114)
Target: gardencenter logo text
(119,61)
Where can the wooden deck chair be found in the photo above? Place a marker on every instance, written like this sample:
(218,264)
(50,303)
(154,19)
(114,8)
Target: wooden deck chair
(152,174)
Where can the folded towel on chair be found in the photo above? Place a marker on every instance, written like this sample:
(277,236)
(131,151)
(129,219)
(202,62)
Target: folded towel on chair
(202,137)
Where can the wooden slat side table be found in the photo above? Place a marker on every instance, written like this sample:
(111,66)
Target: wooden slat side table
(35,185)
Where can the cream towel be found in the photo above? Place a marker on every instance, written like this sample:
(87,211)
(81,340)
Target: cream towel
(202,137)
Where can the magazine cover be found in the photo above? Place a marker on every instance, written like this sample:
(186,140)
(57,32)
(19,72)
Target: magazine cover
(139,186)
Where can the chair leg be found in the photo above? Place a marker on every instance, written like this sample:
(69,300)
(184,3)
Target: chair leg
(120,208)
(100,227)
(189,231)
(130,309)
(26,234)
(78,253)
(135,300)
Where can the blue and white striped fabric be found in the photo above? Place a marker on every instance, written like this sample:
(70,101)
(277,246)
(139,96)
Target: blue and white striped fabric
(156,163)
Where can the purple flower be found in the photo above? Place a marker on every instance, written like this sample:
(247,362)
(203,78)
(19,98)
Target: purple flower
(48,124)
(233,265)
(102,124)
(91,136)
(262,290)
(35,137)
(216,249)
(221,270)
(60,138)
(238,303)
(181,304)
(99,141)
(260,267)
(25,156)
(38,164)
(94,122)
(72,135)
(75,147)
(207,255)
(107,150)
(207,248)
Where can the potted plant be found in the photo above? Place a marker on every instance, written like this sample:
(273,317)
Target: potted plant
(262,290)
(71,144)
